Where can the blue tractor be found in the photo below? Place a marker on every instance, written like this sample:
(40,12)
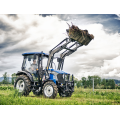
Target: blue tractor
(40,75)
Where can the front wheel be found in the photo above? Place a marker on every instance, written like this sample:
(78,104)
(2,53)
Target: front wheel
(50,89)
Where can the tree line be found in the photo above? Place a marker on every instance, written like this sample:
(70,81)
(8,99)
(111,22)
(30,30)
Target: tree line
(98,82)
(6,79)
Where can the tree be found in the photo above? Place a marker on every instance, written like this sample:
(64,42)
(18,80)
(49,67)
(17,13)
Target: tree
(89,81)
(5,81)
(13,78)
(84,82)
(103,83)
(97,80)
(79,83)
(111,83)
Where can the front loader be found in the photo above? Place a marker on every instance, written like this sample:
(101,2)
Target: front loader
(37,74)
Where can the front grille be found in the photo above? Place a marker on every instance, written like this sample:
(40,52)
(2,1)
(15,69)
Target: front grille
(63,77)
(60,78)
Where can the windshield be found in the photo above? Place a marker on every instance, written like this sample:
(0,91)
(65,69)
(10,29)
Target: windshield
(55,64)
(44,62)
(30,64)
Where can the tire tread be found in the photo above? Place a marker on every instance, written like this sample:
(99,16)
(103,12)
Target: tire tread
(27,84)
(55,91)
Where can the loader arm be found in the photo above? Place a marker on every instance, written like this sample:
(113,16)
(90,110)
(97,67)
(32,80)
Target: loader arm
(62,45)
(67,53)
(56,49)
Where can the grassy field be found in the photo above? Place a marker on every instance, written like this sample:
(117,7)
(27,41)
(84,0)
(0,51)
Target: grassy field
(80,97)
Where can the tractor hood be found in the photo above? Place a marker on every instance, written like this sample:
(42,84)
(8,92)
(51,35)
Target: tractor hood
(58,71)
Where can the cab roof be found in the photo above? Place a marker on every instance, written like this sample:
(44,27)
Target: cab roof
(32,53)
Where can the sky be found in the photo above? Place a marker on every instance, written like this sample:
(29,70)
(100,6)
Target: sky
(21,33)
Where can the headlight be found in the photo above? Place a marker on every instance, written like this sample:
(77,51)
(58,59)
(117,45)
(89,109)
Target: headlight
(66,77)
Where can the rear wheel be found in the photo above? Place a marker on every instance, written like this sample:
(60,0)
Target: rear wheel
(50,89)
(23,84)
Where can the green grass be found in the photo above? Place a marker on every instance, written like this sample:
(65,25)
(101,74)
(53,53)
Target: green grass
(80,97)
(6,87)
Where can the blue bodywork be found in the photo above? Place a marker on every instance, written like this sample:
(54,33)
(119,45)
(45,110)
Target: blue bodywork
(52,77)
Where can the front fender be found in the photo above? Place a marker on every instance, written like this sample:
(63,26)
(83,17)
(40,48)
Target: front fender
(26,73)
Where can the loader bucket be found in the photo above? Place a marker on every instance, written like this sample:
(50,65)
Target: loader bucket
(81,36)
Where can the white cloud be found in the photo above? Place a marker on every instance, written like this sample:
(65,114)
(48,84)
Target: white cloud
(111,68)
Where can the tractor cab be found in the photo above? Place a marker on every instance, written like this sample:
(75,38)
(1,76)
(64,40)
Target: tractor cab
(32,62)
(33,58)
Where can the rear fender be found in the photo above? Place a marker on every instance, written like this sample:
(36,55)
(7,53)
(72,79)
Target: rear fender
(26,73)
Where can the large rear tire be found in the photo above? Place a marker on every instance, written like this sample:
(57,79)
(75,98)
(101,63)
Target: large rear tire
(23,84)
(50,90)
